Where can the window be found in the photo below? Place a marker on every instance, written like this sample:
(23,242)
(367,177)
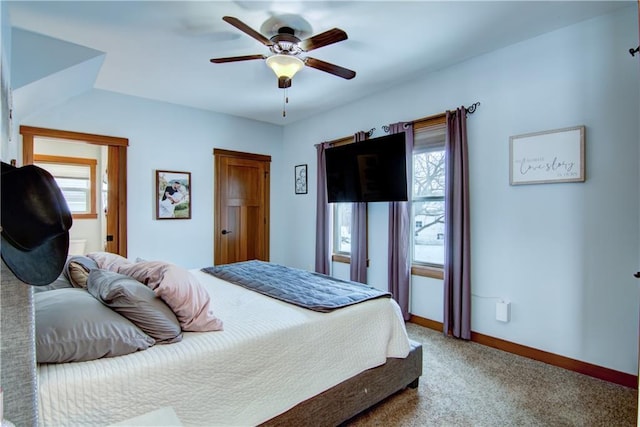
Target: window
(428,186)
(427,204)
(76,177)
(342,228)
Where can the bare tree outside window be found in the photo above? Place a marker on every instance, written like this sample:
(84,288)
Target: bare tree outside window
(428,206)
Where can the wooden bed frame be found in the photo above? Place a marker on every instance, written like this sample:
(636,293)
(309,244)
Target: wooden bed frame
(349,398)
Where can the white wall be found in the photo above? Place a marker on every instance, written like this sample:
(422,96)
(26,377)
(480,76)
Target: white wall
(6,148)
(53,55)
(563,254)
(169,137)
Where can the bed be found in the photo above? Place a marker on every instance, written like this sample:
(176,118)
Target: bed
(274,363)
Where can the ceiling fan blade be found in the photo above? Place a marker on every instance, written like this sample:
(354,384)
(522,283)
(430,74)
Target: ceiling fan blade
(323,39)
(236,58)
(345,73)
(247,29)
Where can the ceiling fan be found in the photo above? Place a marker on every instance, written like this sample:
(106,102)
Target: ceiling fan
(286,49)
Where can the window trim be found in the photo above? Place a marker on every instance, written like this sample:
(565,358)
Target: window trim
(341,257)
(431,271)
(76,161)
(416,269)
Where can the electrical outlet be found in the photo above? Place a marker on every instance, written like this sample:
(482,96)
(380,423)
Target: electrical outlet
(503,311)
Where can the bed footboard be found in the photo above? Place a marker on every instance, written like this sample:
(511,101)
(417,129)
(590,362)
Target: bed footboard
(349,398)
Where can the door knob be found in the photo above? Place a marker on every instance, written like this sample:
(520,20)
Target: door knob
(226,232)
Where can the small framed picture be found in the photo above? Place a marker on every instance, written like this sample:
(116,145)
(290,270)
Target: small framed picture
(300,174)
(173,195)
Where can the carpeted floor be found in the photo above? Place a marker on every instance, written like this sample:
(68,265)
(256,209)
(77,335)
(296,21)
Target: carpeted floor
(468,384)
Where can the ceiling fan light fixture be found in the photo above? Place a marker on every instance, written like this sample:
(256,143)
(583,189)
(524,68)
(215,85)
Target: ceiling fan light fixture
(284,65)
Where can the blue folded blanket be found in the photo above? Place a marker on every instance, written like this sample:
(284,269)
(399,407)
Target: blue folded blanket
(314,291)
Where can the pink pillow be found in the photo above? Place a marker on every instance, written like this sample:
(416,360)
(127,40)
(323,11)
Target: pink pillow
(180,290)
(108,261)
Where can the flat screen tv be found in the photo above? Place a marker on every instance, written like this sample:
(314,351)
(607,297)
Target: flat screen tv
(373,170)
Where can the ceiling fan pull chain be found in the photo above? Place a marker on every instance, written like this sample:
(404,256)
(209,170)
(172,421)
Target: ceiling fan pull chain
(285,101)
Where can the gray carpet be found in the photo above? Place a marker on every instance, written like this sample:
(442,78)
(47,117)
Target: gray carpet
(468,384)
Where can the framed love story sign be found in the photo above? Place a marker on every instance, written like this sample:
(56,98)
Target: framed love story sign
(547,157)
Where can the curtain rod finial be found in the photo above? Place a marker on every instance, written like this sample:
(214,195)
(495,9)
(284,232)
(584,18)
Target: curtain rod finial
(472,108)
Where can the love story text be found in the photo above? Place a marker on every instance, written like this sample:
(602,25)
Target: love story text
(540,164)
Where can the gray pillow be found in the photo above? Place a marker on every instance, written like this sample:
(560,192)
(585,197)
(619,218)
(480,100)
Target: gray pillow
(72,326)
(137,303)
(60,283)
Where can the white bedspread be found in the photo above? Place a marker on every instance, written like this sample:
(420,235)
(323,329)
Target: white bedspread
(270,356)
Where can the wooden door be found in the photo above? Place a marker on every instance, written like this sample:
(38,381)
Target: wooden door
(241,224)
(116,201)
(116,226)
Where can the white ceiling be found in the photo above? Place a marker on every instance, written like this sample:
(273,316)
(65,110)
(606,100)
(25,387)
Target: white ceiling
(161,49)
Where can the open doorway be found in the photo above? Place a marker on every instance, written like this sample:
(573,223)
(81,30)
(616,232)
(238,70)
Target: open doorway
(111,154)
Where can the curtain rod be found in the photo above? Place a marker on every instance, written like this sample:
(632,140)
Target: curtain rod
(347,139)
(470,110)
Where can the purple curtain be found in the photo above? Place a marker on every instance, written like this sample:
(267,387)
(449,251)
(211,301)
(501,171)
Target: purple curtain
(323,215)
(399,270)
(457,274)
(358,263)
